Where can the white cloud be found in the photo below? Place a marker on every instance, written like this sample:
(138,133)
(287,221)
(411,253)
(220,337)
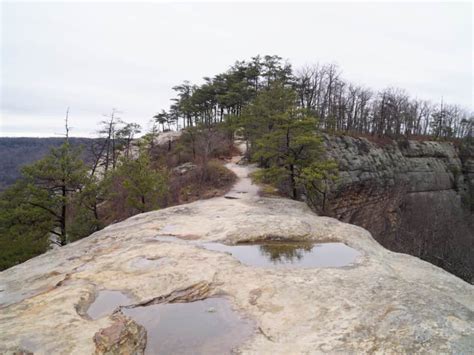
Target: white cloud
(95,56)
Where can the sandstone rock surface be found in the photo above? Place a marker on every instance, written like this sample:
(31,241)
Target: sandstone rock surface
(413,196)
(384,303)
(385,175)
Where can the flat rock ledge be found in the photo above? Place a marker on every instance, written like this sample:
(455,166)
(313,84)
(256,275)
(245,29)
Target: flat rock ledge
(383,303)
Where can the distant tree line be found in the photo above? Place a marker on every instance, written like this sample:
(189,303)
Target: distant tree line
(17,152)
(321,90)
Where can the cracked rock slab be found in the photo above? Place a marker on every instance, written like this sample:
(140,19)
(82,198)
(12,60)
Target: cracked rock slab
(384,302)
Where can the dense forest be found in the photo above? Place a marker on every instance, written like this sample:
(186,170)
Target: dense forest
(279,112)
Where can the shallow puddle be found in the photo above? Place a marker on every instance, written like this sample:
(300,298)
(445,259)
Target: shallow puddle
(209,326)
(302,255)
(106,302)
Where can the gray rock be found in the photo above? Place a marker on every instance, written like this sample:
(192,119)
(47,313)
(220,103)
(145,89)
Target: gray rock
(376,181)
(382,303)
(184,168)
(385,302)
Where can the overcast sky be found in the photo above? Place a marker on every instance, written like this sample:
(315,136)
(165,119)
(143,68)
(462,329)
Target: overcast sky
(96,56)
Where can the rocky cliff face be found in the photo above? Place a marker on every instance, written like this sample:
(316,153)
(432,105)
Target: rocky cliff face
(382,302)
(412,196)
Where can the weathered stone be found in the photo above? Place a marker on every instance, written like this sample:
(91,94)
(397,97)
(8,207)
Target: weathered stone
(378,181)
(384,303)
(184,168)
(124,337)
(424,166)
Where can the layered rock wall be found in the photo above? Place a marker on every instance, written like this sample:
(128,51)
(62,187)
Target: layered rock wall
(395,189)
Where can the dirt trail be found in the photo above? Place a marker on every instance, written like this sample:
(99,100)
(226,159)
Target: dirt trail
(244,187)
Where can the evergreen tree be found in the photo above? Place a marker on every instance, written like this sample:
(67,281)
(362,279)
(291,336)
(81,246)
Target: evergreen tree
(125,136)
(37,207)
(24,228)
(145,186)
(87,217)
(316,180)
(291,146)
(163,118)
(259,117)
(50,182)
(285,141)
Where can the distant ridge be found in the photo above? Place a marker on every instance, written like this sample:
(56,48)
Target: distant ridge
(15,152)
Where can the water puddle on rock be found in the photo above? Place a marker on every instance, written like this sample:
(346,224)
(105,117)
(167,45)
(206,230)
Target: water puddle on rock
(209,326)
(106,302)
(301,255)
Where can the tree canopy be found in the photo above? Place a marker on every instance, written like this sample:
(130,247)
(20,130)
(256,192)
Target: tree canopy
(339,105)
(284,139)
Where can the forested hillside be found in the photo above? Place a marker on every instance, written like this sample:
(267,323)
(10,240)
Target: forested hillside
(281,114)
(18,152)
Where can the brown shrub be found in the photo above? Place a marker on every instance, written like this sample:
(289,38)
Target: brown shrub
(204,181)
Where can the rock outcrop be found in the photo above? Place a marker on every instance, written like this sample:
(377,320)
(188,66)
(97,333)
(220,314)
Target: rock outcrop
(412,196)
(124,336)
(384,302)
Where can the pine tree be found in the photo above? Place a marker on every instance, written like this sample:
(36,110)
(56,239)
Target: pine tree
(291,146)
(37,206)
(316,180)
(144,185)
(50,183)
(24,228)
(285,141)
(260,115)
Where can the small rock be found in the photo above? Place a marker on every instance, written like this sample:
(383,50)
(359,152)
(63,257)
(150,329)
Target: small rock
(124,336)
(184,168)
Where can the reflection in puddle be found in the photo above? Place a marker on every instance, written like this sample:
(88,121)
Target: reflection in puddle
(106,302)
(202,327)
(290,254)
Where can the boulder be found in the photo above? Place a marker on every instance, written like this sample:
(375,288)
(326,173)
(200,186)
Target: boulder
(383,303)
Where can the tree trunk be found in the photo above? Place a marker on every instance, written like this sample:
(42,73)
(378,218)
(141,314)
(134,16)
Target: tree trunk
(96,212)
(63,215)
(143,202)
(293,182)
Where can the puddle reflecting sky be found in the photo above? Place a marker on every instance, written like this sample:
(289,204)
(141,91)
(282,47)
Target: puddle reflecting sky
(273,254)
(106,302)
(209,326)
